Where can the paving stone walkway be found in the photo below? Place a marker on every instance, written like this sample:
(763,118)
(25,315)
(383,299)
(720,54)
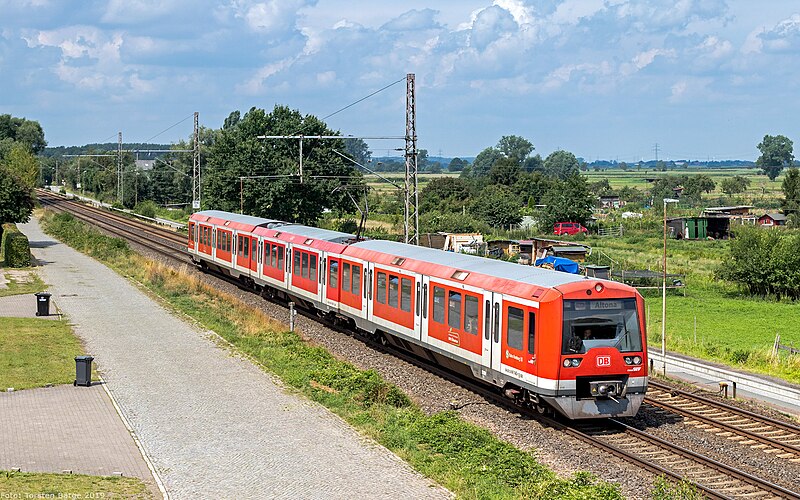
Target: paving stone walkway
(213,424)
(24,306)
(61,428)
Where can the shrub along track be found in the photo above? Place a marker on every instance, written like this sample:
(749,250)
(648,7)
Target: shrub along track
(638,448)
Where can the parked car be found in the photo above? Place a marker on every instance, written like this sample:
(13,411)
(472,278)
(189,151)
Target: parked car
(562,228)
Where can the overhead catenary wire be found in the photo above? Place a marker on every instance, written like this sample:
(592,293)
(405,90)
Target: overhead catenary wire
(169,128)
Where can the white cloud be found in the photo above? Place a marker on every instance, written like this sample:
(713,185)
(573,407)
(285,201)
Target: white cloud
(785,36)
(413,20)
(255,85)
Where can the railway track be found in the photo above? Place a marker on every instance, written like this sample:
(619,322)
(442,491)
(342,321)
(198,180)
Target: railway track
(747,428)
(160,240)
(712,479)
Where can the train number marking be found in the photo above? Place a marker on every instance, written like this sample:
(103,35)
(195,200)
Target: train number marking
(603,360)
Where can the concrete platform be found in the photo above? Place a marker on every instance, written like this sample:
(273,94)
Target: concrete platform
(24,306)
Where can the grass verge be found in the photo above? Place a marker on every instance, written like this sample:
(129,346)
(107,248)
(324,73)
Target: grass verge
(36,352)
(18,286)
(462,457)
(43,485)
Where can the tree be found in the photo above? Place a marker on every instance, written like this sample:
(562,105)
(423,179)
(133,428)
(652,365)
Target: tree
(22,164)
(358,150)
(532,187)
(423,162)
(483,163)
(27,132)
(623,166)
(457,165)
(505,171)
(445,194)
(776,153)
(568,200)
(237,153)
(497,206)
(16,198)
(515,148)
(694,186)
(533,164)
(734,185)
(561,164)
(791,192)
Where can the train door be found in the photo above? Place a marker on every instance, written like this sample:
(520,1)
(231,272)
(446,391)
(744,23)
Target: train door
(424,308)
(495,351)
(332,292)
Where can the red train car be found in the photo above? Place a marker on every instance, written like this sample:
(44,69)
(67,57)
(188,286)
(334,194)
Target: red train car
(545,338)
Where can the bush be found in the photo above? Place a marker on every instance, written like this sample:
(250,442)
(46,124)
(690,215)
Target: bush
(146,208)
(14,247)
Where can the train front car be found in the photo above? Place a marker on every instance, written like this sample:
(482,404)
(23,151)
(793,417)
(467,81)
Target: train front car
(597,347)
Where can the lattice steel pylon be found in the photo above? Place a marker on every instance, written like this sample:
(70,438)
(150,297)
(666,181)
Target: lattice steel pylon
(120,187)
(196,164)
(411,228)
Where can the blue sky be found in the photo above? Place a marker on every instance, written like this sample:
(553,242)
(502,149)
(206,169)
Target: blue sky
(604,79)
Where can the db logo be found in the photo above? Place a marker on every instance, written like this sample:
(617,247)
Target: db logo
(603,360)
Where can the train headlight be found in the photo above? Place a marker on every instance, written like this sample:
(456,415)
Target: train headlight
(572,362)
(576,362)
(637,360)
(633,360)
(598,287)
(567,363)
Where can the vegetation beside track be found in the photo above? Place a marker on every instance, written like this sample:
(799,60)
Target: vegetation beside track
(36,352)
(44,485)
(464,458)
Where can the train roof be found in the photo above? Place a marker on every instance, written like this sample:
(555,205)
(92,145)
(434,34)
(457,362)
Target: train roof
(248,220)
(495,268)
(317,233)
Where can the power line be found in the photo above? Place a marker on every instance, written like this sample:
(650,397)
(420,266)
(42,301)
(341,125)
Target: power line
(363,98)
(169,128)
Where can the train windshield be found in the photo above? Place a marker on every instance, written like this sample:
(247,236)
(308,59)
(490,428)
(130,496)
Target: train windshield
(600,323)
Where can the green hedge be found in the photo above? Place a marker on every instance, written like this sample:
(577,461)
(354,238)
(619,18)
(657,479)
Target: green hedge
(14,247)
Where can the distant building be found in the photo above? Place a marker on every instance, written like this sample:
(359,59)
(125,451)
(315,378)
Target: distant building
(453,242)
(611,201)
(145,164)
(500,248)
(539,248)
(772,220)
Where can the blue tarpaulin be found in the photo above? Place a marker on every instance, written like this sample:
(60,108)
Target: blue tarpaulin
(560,264)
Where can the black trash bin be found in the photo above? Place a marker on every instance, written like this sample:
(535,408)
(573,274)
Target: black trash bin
(83,370)
(43,304)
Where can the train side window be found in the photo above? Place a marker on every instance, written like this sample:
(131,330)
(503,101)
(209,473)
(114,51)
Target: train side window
(380,288)
(471,314)
(438,304)
(394,282)
(238,245)
(514,325)
(305,265)
(254,249)
(245,246)
(531,332)
(273,256)
(333,274)
(405,295)
(487,322)
(346,277)
(454,310)
(296,266)
(280,257)
(312,268)
(355,287)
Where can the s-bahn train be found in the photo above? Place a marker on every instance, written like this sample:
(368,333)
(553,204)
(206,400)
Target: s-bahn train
(548,339)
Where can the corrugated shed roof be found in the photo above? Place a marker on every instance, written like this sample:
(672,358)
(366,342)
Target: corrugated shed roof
(496,268)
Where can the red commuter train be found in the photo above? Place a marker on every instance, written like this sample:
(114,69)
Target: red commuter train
(545,338)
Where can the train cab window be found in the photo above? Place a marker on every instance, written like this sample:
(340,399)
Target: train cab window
(296,266)
(305,265)
(346,277)
(531,332)
(471,314)
(355,287)
(280,257)
(514,325)
(393,290)
(454,310)
(312,267)
(438,304)
(333,274)
(380,288)
(405,295)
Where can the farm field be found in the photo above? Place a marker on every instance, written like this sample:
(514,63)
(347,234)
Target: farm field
(731,327)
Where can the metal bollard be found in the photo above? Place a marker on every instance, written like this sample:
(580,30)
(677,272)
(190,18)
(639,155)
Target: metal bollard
(734,389)
(292,314)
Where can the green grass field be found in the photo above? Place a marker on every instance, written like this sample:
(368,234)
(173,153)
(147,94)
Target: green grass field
(42,485)
(36,352)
